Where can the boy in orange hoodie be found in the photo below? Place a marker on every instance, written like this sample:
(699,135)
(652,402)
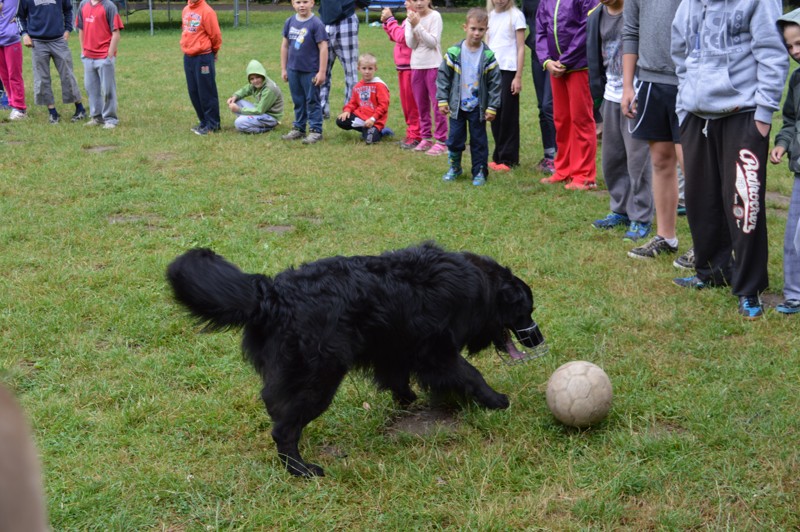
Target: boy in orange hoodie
(368,107)
(200,41)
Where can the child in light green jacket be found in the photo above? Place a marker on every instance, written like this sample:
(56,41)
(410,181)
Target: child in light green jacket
(266,112)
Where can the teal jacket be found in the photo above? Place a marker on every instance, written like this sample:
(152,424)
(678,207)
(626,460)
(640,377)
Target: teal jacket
(448,81)
(268,99)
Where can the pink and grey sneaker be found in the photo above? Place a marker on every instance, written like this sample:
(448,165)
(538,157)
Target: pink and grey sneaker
(424,145)
(437,149)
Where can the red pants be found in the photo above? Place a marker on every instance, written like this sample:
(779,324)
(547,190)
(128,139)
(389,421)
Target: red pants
(408,104)
(576,136)
(11,75)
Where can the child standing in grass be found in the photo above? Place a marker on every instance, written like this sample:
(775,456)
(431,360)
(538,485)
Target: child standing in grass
(402,60)
(368,107)
(11,60)
(561,48)
(99,26)
(788,140)
(468,89)
(506,38)
(304,60)
(626,160)
(200,41)
(263,115)
(424,36)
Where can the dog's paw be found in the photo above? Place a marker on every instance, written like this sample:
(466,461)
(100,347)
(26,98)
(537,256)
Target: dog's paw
(306,470)
(497,402)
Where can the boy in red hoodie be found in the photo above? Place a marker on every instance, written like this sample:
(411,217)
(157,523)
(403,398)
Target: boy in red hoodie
(200,41)
(368,107)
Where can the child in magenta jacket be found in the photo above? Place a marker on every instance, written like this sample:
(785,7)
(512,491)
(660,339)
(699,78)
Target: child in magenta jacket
(402,60)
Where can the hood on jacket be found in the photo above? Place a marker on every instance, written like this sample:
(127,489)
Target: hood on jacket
(255,67)
(793,17)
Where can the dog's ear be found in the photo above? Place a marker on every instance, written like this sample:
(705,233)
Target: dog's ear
(514,298)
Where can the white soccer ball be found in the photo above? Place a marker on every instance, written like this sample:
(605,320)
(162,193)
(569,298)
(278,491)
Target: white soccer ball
(579,394)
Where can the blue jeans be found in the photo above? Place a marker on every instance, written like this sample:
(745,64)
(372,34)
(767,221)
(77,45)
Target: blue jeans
(201,80)
(305,97)
(478,141)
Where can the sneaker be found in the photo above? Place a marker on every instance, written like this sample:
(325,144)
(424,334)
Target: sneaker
(452,173)
(109,125)
(479,179)
(202,131)
(685,261)
(294,134)
(54,118)
(387,132)
(16,114)
(611,220)
(750,307)
(580,185)
(637,231)
(691,282)
(408,144)
(95,122)
(437,149)
(313,137)
(499,167)
(790,306)
(424,145)
(78,116)
(555,178)
(194,129)
(652,249)
(546,166)
(681,209)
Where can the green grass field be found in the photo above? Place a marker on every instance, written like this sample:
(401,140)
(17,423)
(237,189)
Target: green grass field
(144,423)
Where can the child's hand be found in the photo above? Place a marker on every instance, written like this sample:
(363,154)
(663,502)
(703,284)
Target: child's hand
(556,69)
(284,75)
(628,103)
(370,122)
(231,100)
(319,79)
(444,108)
(386,13)
(413,18)
(489,117)
(776,154)
(344,116)
(516,85)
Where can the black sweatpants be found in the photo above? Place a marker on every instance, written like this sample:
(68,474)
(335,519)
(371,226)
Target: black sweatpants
(505,126)
(726,175)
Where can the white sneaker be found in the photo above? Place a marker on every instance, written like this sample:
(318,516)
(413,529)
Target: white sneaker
(16,114)
(109,125)
(93,122)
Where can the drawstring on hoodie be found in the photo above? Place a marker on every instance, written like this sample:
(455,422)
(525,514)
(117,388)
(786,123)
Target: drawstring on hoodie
(705,128)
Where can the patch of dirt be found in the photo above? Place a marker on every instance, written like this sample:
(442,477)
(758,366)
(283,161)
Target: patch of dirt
(150,222)
(165,156)
(278,229)
(98,149)
(771,300)
(778,200)
(423,422)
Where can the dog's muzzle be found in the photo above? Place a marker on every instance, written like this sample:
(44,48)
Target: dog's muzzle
(530,337)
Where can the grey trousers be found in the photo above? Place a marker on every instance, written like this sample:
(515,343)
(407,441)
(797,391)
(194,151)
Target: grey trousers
(253,123)
(101,88)
(791,246)
(626,167)
(62,58)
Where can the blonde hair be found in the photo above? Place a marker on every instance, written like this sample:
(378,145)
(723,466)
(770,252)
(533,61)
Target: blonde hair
(478,14)
(367,59)
(490,6)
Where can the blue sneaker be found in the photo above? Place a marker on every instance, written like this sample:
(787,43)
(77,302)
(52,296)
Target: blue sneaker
(387,132)
(637,231)
(690,282)
(610,221)
(479,179)
(790,306)
(750,307)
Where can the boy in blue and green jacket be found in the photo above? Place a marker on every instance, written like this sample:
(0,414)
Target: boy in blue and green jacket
(468,89)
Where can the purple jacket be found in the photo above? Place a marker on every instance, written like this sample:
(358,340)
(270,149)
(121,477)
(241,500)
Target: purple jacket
(563,38)
(9,28)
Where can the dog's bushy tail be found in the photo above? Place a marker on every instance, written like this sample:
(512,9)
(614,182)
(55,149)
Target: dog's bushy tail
(215,291)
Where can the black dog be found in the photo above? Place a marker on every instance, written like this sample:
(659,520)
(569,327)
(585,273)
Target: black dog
(401,314)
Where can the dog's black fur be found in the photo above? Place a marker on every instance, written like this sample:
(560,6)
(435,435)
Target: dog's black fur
(401,314)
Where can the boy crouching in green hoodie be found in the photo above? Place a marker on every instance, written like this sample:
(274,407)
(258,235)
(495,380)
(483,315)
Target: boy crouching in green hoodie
(267,111)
